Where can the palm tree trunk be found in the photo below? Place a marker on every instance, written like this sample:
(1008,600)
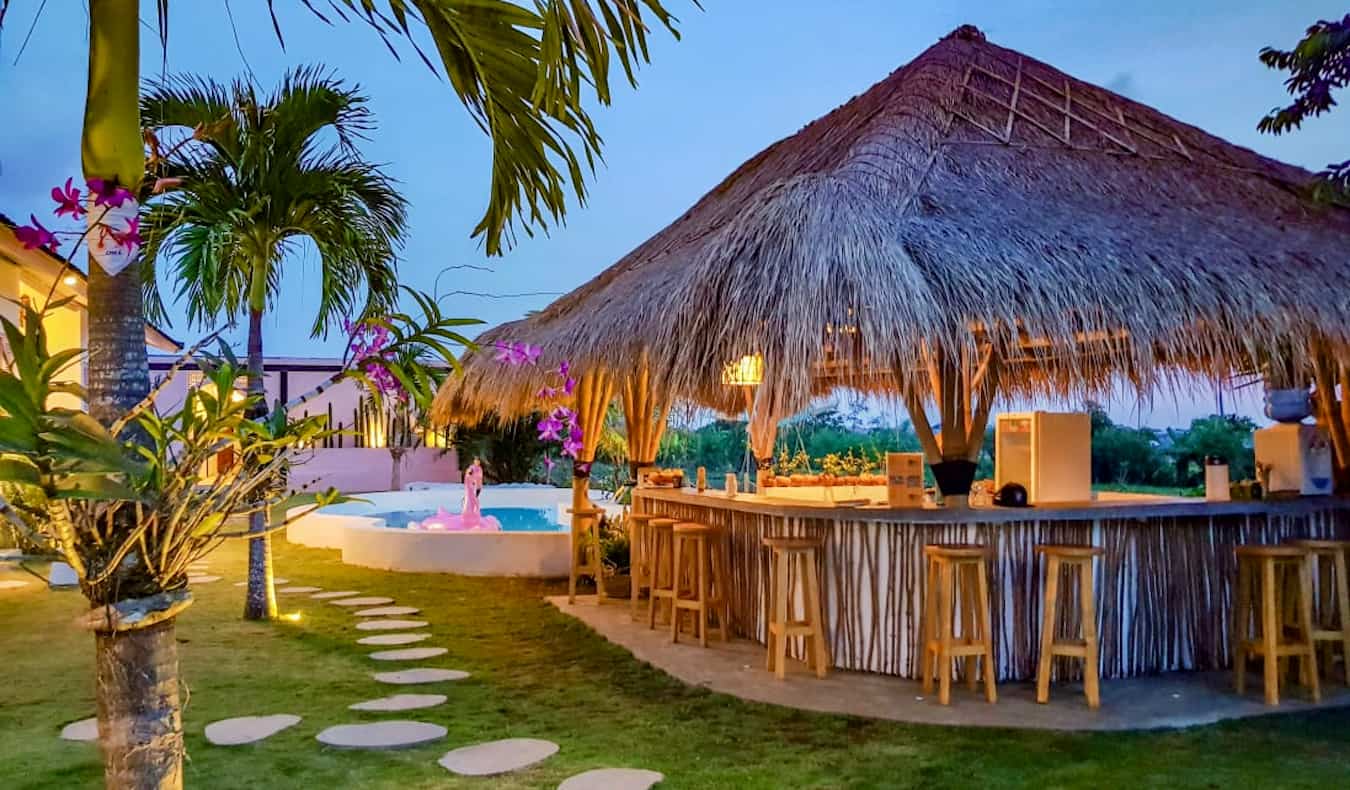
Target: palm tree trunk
(396,479)
(139,725)
(136,672)
(261,601)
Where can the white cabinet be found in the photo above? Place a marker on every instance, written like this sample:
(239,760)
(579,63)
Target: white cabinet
(1048,453)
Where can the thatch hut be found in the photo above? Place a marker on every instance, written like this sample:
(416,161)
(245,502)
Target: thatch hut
(975,224)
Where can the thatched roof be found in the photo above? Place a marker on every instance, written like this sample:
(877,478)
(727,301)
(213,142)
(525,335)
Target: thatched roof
(975,197)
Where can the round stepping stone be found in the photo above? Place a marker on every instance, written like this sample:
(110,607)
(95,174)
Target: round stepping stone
(381,735)
(389,625)
(409,677)
(400,702)
(202,579)
(497,757)
(369,600)
(612,779)
(82,730)
(293,590)
(409,654)
(388,640)
(275,582)
(248,729)
(335,594)
(386,611)
(12,584)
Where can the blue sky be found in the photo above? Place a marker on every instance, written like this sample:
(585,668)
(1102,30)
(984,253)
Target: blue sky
(747,73)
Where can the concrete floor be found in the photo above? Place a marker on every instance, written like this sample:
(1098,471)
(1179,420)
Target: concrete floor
(1181,699)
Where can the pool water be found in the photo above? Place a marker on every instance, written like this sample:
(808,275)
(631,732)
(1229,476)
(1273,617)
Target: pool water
(513,519)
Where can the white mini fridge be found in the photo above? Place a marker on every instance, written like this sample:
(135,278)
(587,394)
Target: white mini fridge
(1299,456)
(1049,453)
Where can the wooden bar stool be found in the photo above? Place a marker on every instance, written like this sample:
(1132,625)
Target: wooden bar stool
(586,555)
(954,569)
(700,580)
(1331,606)
(640,555)
(1271,641)
(662,541)
(1075,558)
(783,551)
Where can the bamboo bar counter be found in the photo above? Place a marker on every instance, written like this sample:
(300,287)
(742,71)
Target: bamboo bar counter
(1164,585)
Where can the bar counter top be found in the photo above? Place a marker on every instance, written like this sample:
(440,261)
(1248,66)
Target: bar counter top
(1106,505)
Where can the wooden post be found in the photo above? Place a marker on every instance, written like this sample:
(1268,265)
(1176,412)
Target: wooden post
(594,391)
(964,388)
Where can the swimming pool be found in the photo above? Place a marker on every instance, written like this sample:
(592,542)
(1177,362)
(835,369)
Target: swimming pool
(512,519)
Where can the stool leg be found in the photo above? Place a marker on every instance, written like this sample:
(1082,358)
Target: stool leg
(1242,615)
(1089,606)
(635,571)
(820,649)
(770,609)
(703,583)
(1269,633)
(678,567)
(945,634)
(928,628)
(1048,629)
(969,636)
(1342,612)
(656,580)
(719,586)
(780,607)
(986,632)
(1309,660)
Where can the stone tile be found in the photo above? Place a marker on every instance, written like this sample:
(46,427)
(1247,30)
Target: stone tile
(389,640)
(396,702)
(294,590)
(82,730)
(388,611)
(381,735)
(248,729)
(497,757)
(62,575)
(335,594)
(409,677)
(612,779)
(408,654)
(13,584)
(369,600)
(389,625)
(202,579)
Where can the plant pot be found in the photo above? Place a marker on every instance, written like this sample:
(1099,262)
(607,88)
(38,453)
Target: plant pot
(1288,405)
(618,585)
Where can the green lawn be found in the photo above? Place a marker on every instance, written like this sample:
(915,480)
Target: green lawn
(538,673)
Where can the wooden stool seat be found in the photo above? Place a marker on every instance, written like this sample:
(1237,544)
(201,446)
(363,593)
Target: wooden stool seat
(1331,605)
(957,569)
(782,624)
(661,540)
(1078,558)
(640,516)
(1272,642)
(700,580)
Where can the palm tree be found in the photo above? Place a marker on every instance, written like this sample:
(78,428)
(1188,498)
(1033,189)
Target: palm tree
(522,68)
(256,177)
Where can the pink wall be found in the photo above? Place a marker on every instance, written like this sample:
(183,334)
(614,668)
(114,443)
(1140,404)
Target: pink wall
(358,470)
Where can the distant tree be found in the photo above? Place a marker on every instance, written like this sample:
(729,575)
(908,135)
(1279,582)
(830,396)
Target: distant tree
(1229,438)
(509,451)
(1318,65)
(1121,454)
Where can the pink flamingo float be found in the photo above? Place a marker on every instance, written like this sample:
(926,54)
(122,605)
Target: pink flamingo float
(471,516)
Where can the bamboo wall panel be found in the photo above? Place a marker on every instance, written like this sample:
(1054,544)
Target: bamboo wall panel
(1163,586)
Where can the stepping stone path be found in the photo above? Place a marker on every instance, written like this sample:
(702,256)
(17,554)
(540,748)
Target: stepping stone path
(497,757)
(386,611)
(202,579)
(400,702)
(381,735)
(612,779)
(12,584)
(293,590)
(82,730)
(274,582)
(62,575)
(409,654)
(369,600)
(335,594)
(389,625)
(409,677)
(388,640)
(248,729)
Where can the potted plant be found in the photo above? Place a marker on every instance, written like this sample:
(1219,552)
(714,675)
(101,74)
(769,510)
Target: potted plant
(1286,398)
(616,557)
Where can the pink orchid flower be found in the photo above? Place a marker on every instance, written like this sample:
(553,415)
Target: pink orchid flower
(569,386)
(109,193)
(546,393)
(549,463)
(532,353)
(130,238)
(563,414)
(571,446)
(564,368)
(549,430)
(68,200)
(35,236)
